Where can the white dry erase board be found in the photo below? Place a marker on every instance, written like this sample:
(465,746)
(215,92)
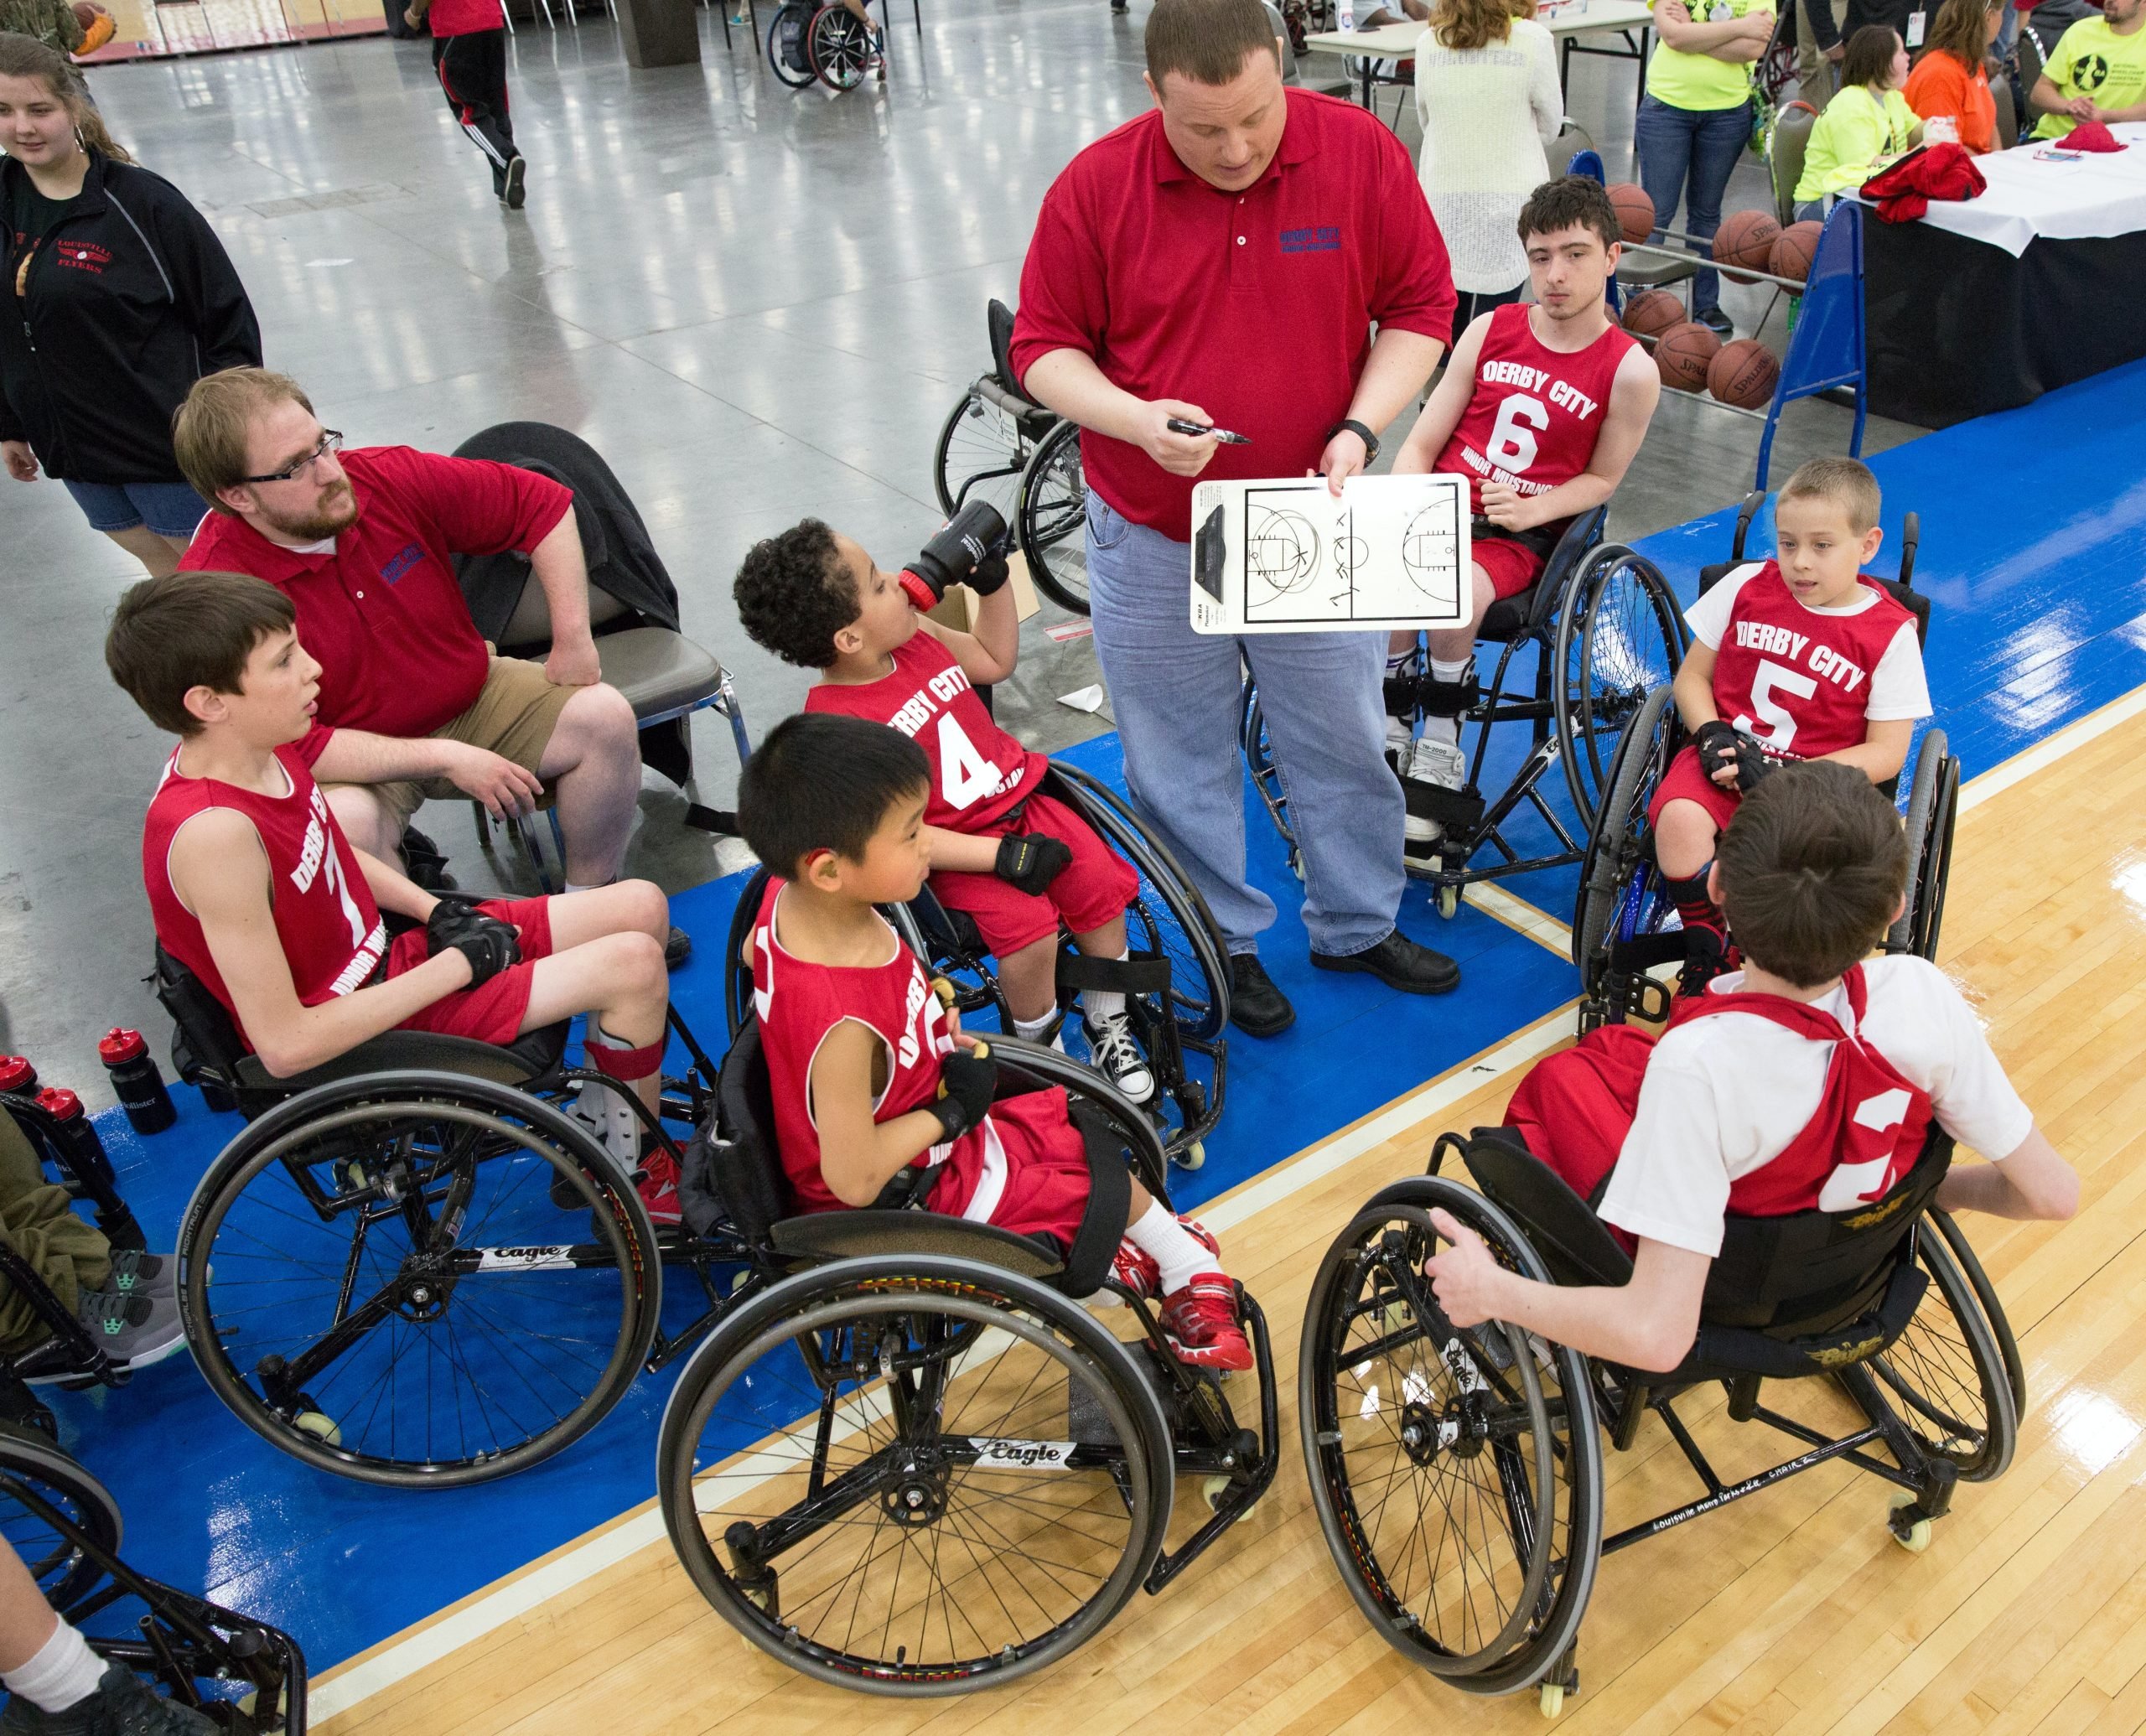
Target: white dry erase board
(1286,557)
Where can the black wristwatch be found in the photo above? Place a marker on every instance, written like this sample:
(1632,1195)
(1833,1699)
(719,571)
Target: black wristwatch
(1363,434)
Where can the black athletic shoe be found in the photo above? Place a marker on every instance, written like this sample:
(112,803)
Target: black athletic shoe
(1257,1006)
(677,948)
(514,193)
(123,1705)
(424,864)
(1717,322)
(1398,962)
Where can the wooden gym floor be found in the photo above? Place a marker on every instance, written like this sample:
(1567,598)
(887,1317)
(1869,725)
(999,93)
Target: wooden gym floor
(1792,1612)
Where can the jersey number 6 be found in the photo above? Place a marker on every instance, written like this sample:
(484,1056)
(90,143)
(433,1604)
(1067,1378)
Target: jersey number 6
(1512,444)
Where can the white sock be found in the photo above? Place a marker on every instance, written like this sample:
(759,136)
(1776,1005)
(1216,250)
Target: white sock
(63,1673)
(1181,1256)
(1444,671)
(1435,727)
(1101,1003)
(1029,1029)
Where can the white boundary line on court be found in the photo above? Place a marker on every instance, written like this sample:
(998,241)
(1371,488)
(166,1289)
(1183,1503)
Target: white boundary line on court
(351,1685)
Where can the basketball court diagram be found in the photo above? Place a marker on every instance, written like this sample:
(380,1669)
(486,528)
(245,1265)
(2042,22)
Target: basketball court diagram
(1286,557)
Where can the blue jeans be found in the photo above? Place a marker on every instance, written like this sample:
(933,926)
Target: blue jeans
(170,508)
(1688,154)
(1175,693)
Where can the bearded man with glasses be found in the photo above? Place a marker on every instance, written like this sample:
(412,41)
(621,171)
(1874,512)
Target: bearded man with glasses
(413,704)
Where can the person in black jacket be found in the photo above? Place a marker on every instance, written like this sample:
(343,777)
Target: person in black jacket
(117,298)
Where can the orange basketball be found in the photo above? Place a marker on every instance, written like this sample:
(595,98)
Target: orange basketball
(1745,238)
(1742,373)
(1683,353)
(1652,312)
(97,24)
(1635,209)
(1794,249)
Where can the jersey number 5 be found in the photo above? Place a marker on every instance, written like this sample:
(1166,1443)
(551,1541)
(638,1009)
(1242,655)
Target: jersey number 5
(1513,440)
(965,775)
(1780,725)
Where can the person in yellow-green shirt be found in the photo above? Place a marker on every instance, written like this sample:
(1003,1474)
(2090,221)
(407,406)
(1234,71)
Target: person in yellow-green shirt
(1695,119)
(1864,128)
(2098,72)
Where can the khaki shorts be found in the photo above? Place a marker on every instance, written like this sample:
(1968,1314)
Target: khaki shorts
(513,716)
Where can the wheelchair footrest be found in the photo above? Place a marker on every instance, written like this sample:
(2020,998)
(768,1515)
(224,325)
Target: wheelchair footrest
(1457,812)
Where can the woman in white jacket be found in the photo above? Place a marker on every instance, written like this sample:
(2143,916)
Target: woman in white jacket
(1486,92)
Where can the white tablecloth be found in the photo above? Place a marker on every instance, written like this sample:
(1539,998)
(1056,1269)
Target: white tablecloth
(2034,192)
(1396,41)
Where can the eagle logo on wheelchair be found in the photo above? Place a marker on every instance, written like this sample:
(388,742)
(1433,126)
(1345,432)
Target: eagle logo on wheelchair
(1014,1456)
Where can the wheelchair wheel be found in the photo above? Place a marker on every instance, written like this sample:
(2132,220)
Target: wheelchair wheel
(417,1279)
(1170,917)
(1993,1311)
(32,1468)
(1933,806)
(981,455)
(1945,1377)
(913,1476)
(1457,1474)
(787,50)
(1621,899)
(1265,777)
(839,46)
(1619,636)
(1051,525)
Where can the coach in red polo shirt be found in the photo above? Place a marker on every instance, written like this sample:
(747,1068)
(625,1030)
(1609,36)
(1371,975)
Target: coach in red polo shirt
(412,702)
(1223,260)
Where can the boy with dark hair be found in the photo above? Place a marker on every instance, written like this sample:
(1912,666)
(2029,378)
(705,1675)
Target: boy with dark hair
(1542,408)
(1791,659)
(1016,861)
(872,1077)
(1807,1081)
(255,888)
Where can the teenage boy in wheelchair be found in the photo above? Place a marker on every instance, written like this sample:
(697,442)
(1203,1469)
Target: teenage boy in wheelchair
(255,890)
(878,1098)
(1542,408)
(1003,850)
(1807,1081)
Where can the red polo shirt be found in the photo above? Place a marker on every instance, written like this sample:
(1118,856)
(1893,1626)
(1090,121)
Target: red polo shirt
(380,611)
(1257,306)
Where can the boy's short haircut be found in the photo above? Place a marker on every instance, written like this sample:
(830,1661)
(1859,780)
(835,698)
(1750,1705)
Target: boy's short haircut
(1812,867)
(208,432)
(1207,41)
(823,782)
(794,594)
(189,629)
(1847,483)
(1571,202)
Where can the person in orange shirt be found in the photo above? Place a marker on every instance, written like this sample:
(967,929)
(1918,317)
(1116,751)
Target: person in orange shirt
(1950,80)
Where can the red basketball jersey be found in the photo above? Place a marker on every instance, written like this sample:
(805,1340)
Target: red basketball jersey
(1797,679)
(1535,414)
(330,927)
(978,771)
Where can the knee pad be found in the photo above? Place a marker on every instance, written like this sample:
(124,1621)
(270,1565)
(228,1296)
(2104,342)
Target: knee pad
(1690,891)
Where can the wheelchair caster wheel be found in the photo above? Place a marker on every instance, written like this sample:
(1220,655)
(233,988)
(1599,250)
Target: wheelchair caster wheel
(319,1425)
(1553,1698)
(1916,1537)
(1216,1489)
(1449,907)
(1192,1157)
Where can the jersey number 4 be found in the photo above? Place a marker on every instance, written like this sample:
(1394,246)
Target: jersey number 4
(965,775)
(1774,678)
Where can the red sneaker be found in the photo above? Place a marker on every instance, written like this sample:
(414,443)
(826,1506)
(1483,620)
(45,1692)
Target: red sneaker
(1135,1268)
(1200,1323)
(658,1188)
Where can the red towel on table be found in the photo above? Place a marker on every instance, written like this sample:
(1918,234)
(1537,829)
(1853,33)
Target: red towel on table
(1902,193)
(2090,136)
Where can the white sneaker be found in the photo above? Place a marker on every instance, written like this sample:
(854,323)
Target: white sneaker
(1438,761)
(1398,742)
(1432,762)
(1114,1053)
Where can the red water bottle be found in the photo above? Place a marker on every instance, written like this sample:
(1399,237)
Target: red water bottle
(18,1075)
(136,1081)
(76,1135)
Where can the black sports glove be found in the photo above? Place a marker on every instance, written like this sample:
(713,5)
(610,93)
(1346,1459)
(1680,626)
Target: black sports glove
(990,575)
(1751,763)
(489,944)
(967,1082)
(1029,861)
(1716,741)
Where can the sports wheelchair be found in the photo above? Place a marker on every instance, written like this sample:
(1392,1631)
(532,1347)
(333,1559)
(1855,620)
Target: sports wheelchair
(243,1675)
(1625,925)
(998,446)
(818,39)
(1458,1474)
(917,1466)
(1176,981)
(1579,650)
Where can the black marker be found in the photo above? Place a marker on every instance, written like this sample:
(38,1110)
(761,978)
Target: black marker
(1179,425)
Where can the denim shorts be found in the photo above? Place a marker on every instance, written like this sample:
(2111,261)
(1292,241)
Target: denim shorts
(170,508)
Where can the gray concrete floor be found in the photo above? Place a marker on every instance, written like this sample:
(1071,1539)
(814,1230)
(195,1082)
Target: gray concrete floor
(757,303)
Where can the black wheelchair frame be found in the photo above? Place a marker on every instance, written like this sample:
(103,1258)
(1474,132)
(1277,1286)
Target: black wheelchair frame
(1176,979)
(891,1320)
(1592,619)
(1847,1296)
(1623,922)
(66,1527)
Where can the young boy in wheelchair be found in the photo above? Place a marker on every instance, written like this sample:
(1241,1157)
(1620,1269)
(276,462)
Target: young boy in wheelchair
(1015,860)
(1791,659)
(255,889)
(879,1098)
(1542,408)
(1807,1081)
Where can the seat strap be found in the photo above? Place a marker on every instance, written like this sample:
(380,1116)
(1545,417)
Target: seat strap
(1140,973)
(1110,1202)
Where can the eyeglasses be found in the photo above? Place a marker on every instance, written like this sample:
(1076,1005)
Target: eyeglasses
(331,440)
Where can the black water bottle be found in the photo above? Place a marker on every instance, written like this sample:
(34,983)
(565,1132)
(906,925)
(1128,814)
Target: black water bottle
(77,1134)
(18,1075)
(136,1081)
